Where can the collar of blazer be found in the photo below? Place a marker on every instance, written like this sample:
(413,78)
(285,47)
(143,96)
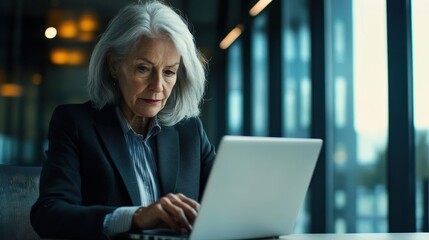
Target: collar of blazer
(167,147)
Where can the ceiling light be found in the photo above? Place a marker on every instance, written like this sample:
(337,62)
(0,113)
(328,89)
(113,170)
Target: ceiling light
(231,37)
(68,29)
(59,56)
(258,7)
(10,90)
(63,56)
(50,32)
(75,57)
(88,23)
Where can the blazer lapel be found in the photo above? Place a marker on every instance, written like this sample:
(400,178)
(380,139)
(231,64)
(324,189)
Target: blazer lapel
(168,159)
(110,131)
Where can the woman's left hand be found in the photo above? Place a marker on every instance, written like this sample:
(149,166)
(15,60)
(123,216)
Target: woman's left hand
(175,211)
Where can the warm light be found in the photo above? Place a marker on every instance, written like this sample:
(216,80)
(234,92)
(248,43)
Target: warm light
(259,6)
(50,32)
(230,38)
(86,36)
(36,79)
(10,90)
(59,56)
(67,29)
(87,23)
(75,57)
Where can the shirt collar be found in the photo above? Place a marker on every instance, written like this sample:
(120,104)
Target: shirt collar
(153,129)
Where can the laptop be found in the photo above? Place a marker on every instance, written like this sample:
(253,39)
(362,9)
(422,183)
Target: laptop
(255,189)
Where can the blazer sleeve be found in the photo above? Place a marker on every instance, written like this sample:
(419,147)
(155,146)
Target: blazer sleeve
(58,212)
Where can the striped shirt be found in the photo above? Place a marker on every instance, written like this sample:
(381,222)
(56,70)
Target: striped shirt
(141,154)
(146,172)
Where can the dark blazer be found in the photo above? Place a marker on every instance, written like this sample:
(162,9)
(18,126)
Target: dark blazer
(89,173)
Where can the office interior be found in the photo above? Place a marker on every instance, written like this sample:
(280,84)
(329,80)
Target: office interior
(351,72)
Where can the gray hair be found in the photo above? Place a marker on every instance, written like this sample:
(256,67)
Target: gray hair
(151,19)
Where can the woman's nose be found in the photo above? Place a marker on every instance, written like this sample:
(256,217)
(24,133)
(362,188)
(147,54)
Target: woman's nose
(156,82)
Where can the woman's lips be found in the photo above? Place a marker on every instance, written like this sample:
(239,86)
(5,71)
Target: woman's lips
(151,101)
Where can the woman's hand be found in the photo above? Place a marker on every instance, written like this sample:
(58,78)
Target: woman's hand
(175,211)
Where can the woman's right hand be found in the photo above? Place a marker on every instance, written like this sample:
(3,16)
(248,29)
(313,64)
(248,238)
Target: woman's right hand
(175,211)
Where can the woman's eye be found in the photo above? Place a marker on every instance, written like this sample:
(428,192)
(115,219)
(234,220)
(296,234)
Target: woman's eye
(169,73)
(143,69)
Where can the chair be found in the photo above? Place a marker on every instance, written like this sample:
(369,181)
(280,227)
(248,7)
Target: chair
(19,189)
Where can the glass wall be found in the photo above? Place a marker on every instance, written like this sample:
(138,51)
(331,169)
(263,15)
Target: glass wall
(235,89)
(296,69)
(357,104)
(296,82)
(357,79)
(259,76)
(371,115)
(420,36)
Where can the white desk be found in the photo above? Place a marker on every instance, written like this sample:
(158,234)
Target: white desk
(359,236)
(352,236)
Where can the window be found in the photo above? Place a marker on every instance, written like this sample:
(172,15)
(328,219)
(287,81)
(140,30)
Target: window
(357,79)
(235,89)
(296,67)
(420,36)
(296,83)
(259,78)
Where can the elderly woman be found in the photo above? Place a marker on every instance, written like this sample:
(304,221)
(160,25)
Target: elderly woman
(136,155)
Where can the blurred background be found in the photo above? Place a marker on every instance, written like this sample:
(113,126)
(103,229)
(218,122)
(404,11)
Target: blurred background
(352,72)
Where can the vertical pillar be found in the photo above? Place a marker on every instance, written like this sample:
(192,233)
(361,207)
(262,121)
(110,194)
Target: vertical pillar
(400,153)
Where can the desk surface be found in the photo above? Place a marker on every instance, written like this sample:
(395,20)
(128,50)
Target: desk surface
(359,236)
(353,236)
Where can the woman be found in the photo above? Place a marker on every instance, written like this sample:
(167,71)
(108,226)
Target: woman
(136,155)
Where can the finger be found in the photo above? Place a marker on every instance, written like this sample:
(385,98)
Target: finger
(151,217)
(166,217)
(191,202)
(175,212)
(186,204)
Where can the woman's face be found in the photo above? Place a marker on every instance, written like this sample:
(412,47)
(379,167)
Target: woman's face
(146,76)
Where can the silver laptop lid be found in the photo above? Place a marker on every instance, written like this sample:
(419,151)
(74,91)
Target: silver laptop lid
(256,187)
